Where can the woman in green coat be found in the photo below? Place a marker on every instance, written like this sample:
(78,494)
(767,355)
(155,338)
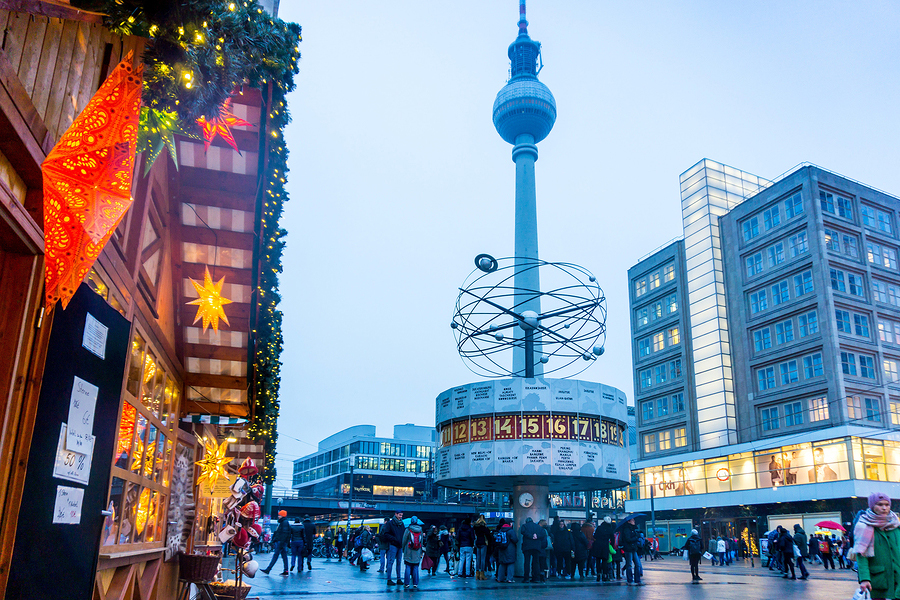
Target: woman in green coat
(876,547)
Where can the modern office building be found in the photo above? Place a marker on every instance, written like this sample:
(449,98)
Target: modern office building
(766,345)
(384,468)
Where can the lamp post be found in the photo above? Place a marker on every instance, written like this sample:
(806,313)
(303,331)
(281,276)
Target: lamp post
(350,499)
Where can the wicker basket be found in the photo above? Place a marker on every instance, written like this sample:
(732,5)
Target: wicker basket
(197,567)
(226,592)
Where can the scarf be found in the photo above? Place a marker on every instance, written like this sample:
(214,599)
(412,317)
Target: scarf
(864,532)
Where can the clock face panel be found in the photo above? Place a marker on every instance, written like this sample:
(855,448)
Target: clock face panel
(526,500)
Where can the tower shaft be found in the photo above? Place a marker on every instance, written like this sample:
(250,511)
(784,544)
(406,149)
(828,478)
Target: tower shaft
(527,279)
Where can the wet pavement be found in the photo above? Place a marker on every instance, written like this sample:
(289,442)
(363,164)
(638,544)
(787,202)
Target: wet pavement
(664,580)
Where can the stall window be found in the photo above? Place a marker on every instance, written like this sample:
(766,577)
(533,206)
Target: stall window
(144,446)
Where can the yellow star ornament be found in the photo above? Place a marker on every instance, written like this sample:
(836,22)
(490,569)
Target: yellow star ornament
(210,302)
(212,466)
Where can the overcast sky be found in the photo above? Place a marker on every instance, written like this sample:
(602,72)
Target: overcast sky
(398,178)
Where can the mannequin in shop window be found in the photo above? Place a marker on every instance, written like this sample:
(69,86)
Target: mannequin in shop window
(775,471)
(821,472)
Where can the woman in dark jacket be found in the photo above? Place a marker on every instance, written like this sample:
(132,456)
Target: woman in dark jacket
(694,547)
(580,549)
(433,548)
(562,546)
(482,533)
(786,545)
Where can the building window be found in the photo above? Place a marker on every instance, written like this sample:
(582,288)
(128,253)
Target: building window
(799,244)
(879,291)
(856,285)
(647,410)
(883,256)
(842,319)
(646,380)
(803,283)
(654,281)
(884,222)
(751,228)
(845,207)
(671,304)
(669,273)
(891,374)
(841,243)
(780,293)
(762,339)
(754,264)
(680,437)
(673,337)
(866,366)
(665,440)
(837,280)
(895,413)
(812,366)
(873,409)
(770,418)
(772,217)
(809,323)
(766,378)
(677,403)
(758,302)
(818,409)
(675,368)
(656,310)
(644,347)
(640,287)
(788,372)
(848,363)
(854,407)
(662,406)
(868,216)
(793,206)
(660,374)
(776,254)
(793,414)
(649,443)
(826,201)
(861,325)
(893,293)
(659,342)
(784,332)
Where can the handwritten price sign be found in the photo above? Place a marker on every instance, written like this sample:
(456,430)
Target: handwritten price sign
(67,509)
(73,466)
(81,415)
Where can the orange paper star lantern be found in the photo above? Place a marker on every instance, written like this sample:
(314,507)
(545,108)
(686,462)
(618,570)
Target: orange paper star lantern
(221,125)
(212,465)
(210,302)
(87,181)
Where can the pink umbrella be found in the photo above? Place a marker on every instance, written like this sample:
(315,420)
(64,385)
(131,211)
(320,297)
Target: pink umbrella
(831,525)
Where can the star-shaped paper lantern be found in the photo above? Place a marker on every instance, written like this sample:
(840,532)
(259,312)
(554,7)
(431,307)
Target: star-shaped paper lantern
(87,181)
(158,129)
(212,466)
(221,125)
(210,302)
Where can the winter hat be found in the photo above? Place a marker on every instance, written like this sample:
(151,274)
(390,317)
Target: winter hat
(694,532)
(413,520)
(282,513)
(878,497)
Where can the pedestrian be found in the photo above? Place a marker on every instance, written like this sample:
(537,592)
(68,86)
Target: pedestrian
(579,550)
(565,553)
(714,549)
(602,540)
(618,556)
(364,541)
(481,545)
(446,546)
(466,539)
(282,540)
(694,547)
(802,550)
(309,532)
(876,548)
(838,549)
(533,538)
(546,549)
(433,549)
(814,550)
(631,539)
(393,537)
(827,552)
(298,544)
(340,541)
(589,566)
(505,540)
(328,540)
(786,546)
(720,550)
(413,545)
(382,545)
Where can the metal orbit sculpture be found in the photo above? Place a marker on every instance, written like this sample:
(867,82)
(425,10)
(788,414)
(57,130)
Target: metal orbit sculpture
(489,321)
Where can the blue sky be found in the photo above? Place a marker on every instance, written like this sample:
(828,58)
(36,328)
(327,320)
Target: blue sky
(398,178)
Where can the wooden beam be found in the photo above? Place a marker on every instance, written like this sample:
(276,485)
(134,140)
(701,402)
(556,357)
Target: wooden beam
(215,408)
(205,179)
(218,237)
(196,271)
(23,136)
(214,352)
(226,382)
(59,10)
(219,199)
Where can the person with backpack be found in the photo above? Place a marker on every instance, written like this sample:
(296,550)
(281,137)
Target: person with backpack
(465,537)
(309,534)
(562,546)
(413,550)
(618,555)
(298,544)
(533,538)
(694,548)
(505,540)
(393,536)
(827,552)
(282,540)
(481,545)
(631,540)
(786,547)
(600,549)
(433,549)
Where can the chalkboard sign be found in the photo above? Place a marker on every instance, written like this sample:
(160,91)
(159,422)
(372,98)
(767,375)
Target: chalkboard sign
(60,521)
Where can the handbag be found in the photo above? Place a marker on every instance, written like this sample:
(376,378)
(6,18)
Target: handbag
(707,556)
(367,555)
(684,555)
(862,595)
(796,551)
(427,563)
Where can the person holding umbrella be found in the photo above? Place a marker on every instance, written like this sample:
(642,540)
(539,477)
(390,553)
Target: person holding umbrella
(631,540)
(876,548)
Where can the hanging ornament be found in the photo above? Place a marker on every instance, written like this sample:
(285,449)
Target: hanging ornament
(210,302)
(87,181)
(221,125)
(212,465)
(158,129)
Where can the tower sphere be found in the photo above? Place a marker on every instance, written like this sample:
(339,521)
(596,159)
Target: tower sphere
(524,105)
